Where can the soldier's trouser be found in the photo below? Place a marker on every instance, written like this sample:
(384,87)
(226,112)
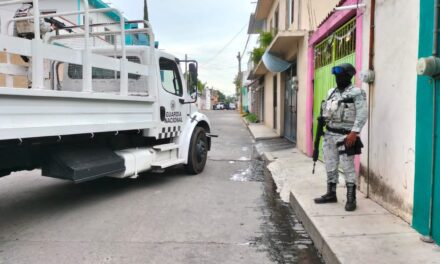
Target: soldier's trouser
(333,159)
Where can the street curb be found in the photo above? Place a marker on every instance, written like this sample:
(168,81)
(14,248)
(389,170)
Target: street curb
(320,243)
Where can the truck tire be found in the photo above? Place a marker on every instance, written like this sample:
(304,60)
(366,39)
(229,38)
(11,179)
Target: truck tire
(198,151)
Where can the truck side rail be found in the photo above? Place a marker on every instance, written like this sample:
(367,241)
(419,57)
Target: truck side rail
(40,51)
(42,112)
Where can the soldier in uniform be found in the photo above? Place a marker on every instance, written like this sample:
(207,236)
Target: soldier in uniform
(345,112)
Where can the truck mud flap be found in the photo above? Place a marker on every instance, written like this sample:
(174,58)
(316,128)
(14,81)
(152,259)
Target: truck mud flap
(81,164)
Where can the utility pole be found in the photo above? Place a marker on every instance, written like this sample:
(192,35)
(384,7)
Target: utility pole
(186,65)
(240,79)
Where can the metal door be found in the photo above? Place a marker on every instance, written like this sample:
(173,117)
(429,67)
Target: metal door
(290,106)
(338,48)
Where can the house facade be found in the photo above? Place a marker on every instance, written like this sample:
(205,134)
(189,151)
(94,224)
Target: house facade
(281,95)
(386,167)
(398,166)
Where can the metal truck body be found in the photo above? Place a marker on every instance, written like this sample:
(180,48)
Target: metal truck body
(104,111)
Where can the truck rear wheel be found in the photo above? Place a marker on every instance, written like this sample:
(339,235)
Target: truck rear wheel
(198,151)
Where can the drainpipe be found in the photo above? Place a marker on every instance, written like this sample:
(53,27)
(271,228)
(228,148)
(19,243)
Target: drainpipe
(431,67)
(370,85)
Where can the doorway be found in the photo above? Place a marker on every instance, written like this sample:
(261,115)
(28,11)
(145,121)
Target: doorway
(290,104)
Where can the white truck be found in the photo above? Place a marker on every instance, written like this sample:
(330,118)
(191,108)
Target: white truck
(111,111)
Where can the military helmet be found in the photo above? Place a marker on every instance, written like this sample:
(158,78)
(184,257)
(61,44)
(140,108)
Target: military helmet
(346,68)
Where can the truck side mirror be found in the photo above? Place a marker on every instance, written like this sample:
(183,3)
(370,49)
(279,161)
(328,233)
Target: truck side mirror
(192,88)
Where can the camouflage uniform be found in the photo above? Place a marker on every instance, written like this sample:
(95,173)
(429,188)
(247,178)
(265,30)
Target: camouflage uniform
(343,115)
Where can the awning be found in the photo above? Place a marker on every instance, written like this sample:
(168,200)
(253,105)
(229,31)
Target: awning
(275,64)
(284,46)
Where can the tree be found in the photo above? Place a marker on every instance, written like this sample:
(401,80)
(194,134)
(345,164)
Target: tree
(237,83)
(221,97)
(201,86)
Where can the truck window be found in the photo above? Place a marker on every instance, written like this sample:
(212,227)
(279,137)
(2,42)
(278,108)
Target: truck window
(170,77)
(75,71)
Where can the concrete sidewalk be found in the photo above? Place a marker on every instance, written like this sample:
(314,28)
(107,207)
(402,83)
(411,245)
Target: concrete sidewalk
(369,235)
(260,131)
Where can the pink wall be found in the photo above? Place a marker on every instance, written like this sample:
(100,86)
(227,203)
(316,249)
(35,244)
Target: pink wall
(337,19)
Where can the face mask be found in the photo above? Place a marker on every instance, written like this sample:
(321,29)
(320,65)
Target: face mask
(343,81)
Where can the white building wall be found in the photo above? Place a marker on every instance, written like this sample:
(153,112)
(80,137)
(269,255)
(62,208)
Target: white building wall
(393,105)
(208,105)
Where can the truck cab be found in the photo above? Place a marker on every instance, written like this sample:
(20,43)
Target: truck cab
(112,111)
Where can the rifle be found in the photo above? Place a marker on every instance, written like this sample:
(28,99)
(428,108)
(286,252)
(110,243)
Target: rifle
(57,24)
(319,134)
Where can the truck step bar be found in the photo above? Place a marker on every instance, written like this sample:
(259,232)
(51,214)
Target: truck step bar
(166,147)
(167,163)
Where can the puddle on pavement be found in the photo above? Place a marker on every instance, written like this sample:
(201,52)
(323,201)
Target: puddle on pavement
(282,237)
(254,172)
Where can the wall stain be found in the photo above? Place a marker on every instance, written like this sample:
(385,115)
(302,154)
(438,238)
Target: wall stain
(385,195)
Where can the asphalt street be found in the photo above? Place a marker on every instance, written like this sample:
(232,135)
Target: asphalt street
(227,214)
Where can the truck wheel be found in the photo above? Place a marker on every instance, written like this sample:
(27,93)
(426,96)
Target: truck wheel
(198,151)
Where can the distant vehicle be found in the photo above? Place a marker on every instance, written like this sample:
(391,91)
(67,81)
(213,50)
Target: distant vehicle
(220,106)
(232,106)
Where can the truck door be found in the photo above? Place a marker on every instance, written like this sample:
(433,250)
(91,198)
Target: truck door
(171,110)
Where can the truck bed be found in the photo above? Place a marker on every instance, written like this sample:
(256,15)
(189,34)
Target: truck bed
(30,113)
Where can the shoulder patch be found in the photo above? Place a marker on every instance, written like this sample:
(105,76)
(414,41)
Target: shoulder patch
(355,91)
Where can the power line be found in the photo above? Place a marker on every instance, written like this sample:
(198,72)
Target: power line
(249,35)
(209,61)
(246,45)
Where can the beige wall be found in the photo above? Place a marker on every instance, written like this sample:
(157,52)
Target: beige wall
(393,105)
(319,10)
(302,20)
(302,60)
(18,81)
(268,100)
(299,51)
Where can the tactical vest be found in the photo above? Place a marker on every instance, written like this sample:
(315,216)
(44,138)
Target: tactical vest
(339,107)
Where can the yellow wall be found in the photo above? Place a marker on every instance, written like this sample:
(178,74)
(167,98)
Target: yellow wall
(19,81)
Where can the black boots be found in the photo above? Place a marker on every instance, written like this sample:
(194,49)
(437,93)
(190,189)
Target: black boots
(330,196)
(351,197)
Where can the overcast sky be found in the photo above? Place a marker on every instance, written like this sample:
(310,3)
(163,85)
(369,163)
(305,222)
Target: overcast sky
(202,29)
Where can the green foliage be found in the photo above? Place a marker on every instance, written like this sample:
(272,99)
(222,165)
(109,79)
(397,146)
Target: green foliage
(201,86)
(257,54)
(265,39)
(221,97)
(251,118)
(230,99)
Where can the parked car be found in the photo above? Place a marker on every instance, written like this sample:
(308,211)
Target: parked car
(220,106)
(232,106)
